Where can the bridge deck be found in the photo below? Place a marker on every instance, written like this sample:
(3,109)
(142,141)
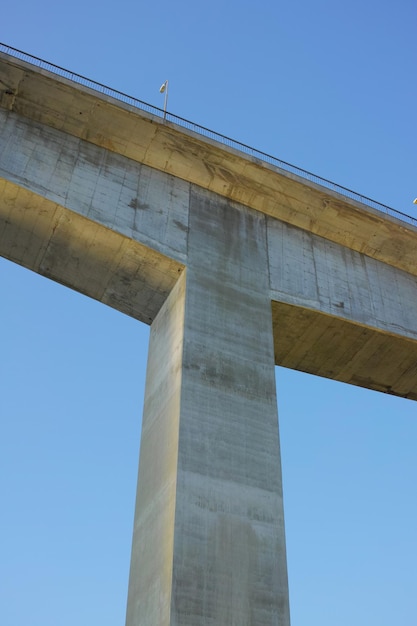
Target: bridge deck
(50,237)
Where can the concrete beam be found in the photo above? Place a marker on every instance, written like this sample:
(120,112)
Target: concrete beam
(97,222)
(117,230)
(334,348)
(340,314)
(83,255)
(101,120)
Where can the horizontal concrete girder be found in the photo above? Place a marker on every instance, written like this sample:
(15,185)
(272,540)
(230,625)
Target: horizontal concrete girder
(83,255)
(99,119)
(334,348)
(95,194)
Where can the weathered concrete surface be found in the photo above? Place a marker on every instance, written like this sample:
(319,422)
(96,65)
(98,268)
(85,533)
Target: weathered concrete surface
(333,348)
(100,223)
(118,231)
(138,202)
(151,570)
(232,261)
(210,451)
(101,120)
(341,314)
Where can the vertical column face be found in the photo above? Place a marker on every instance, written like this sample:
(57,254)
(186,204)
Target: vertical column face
(149,599)
(227,535)
(229,559)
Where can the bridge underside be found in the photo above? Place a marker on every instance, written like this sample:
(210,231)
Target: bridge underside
(83,255)
(136,280)
(332,347)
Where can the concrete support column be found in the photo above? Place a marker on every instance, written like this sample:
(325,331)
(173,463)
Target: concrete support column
(209,543)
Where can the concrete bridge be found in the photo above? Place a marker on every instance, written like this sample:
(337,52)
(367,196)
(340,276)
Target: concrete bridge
(237,265)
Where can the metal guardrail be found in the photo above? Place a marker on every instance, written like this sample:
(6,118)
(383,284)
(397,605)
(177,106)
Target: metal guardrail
(201,130)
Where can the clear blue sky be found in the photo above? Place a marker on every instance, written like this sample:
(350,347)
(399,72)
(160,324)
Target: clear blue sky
(328,86)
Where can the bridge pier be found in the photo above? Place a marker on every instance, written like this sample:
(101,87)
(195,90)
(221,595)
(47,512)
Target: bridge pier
(169,226)
(209,543)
